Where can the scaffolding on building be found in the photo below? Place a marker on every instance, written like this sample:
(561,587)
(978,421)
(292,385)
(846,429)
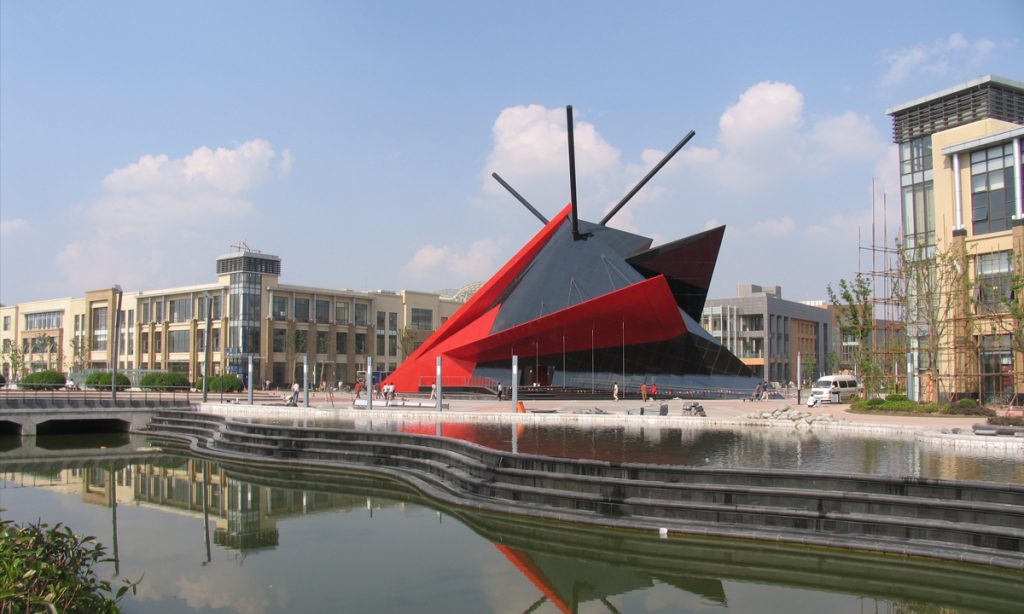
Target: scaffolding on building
(880,262)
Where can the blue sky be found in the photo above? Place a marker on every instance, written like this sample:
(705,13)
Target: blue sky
(138,141)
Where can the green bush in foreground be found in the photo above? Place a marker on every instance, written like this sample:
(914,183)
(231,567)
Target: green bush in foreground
(899,403)
(50,568)
(164,381)
(228,382)
(101,381)
(44,380)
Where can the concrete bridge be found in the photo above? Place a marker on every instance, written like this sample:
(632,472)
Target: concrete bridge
(28,415)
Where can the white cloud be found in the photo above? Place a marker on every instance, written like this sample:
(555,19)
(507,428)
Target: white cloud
(286,162)
(531,153)
(149,209)
(774,228)
(849,136)
(954,54)
(13,226)
(478,262)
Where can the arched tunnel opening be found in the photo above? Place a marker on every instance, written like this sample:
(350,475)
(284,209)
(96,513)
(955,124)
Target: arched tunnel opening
(9,429)
(107,428)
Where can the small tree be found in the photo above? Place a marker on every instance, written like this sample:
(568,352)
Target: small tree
(933,290)
(855,315)
(16,358)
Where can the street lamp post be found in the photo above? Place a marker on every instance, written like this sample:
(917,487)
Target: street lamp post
(113,349)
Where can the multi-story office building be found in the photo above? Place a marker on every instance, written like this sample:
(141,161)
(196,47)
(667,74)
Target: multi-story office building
(767,332)
(252,314)
(960,171)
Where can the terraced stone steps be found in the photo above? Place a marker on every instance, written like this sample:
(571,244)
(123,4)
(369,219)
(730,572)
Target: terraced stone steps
(976,521)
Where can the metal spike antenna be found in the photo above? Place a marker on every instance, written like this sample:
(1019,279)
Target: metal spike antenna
(572,175)
(643,182)
(543,220)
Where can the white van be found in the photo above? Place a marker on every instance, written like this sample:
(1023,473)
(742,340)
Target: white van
(845,384)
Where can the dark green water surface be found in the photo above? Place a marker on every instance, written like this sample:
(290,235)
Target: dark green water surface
(243,537)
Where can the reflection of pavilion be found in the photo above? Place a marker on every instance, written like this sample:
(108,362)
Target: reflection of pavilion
(567,583)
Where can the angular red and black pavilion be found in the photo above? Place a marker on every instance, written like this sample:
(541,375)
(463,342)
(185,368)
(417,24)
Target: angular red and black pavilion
(585,306)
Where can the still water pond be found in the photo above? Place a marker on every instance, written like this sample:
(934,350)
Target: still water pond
(219,537)
(751,447)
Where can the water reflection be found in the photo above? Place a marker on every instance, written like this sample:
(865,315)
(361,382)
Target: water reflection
(320,540)
(769,448)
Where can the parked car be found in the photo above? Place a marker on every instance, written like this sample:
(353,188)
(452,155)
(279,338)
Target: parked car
(847,386)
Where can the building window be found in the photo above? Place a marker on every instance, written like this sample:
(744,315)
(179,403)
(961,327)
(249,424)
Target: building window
(201,340)
(7,322)
(360,344)
(992,189)
(992,279)
(341,343)
(302,310)
(323,311)
(422,319)
(380,320)
(44,320)
(917,191)
(215,304)
(380,344)
(321,342)
(280,308)
(177,341)
(181,310)
(144,343)
(362,314)
(301,341)
(279,337)
(99,328)
(393,323)
(158,342)
(341,312)
(158,311)
(393,347)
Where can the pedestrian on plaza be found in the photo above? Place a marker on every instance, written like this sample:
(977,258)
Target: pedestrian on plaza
(654,392)
(295,394)
(359,390)
(501,389)
(615,392)
(433,391)
(643,392)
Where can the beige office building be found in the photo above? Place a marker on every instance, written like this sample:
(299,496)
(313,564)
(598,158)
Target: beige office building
(281,327)
(960,170)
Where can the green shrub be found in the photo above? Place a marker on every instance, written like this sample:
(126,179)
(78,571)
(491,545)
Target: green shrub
(44,380)
(228,382)
(3,380)
(50,568)
(976,410)
(100,380)
(896,397)
(967,403)
(164,381)
(873,403)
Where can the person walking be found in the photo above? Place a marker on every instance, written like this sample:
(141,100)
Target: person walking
(359,390)
(643,392)
(500,390)
(654,392)
(615,392)
(295,394)
(433,391)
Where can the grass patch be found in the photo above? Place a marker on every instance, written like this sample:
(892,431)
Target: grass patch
(897,405)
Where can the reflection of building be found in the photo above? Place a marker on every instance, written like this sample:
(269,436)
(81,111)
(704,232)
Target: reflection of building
(253,314)
(960,171)
(586,306)
(766,332)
